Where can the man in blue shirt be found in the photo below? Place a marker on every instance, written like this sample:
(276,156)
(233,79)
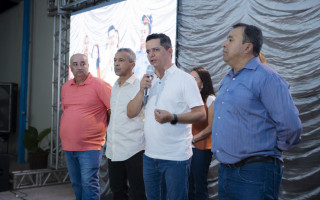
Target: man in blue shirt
(255,119)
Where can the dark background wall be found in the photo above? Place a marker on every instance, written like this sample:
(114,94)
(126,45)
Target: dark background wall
(40,62)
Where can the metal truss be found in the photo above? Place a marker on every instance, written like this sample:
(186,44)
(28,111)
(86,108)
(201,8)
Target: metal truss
(59,76)
(36,178)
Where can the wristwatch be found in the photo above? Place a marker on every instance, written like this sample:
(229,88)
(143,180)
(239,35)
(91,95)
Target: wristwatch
(175,119)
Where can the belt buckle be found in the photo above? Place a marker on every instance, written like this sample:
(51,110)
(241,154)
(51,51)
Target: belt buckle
(229,165)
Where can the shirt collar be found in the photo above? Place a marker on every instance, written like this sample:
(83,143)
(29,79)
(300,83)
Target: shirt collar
(130,80)
(251,65)
(171,69)
(85,82)
(168,71)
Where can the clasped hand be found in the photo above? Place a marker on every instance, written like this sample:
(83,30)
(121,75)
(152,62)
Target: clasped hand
(162,116)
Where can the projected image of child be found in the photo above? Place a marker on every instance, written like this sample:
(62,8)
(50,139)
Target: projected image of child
(95,57)
(113,45)
(106,67)
(141,55)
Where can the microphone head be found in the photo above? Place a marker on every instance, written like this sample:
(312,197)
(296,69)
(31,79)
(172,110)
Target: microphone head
(150,70)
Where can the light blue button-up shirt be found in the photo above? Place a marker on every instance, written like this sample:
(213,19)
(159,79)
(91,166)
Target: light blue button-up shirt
(254,115)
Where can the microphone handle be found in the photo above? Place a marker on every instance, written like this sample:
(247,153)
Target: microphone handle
(145,100)
(146,92)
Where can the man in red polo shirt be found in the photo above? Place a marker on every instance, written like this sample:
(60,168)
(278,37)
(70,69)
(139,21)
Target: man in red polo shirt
(85,101)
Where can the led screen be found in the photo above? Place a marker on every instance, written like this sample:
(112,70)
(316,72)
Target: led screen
(99,31)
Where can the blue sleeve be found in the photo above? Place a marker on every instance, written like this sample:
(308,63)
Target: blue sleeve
(277,99)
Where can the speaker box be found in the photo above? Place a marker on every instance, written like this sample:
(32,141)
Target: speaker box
(4,172)
(8,107)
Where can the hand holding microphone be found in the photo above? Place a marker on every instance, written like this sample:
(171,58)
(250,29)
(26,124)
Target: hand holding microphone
(149,74)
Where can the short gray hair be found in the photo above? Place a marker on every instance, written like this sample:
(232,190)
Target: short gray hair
(132,55)
(79,54)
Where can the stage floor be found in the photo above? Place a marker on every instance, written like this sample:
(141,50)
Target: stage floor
(53,192)
(61,192)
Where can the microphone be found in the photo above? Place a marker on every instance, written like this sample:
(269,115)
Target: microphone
(147,90)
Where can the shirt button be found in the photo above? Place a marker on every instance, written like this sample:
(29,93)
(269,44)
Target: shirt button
(218,151)
(219,117)
(216,133)
(222,102)
(227,90)
(234,79)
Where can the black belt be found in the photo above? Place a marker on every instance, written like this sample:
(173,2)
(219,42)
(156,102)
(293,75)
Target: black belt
(251,159)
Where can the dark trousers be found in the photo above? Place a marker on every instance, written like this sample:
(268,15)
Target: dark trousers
(198,184)
(128,170)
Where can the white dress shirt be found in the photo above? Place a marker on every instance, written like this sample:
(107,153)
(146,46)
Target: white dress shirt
(125,136)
